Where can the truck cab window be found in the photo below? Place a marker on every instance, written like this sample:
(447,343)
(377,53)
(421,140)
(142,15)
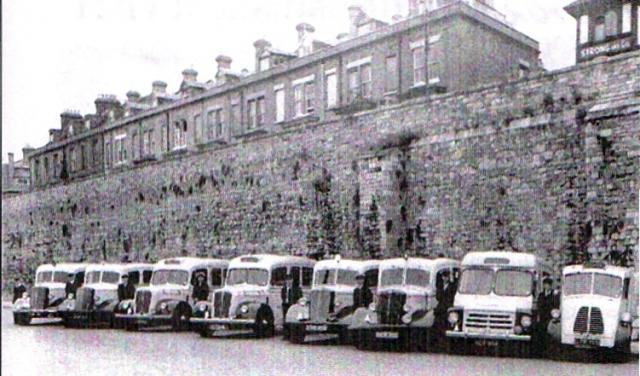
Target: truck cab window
(278,276)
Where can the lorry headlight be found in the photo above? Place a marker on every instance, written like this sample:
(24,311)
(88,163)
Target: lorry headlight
(25,295)
(130,311)
(372,306)
(125,305)
(406,318)
(163,306)
(525,321)
(626,317)
(453,317)
(244,309)
(555,313)
(303,301)
(407,307)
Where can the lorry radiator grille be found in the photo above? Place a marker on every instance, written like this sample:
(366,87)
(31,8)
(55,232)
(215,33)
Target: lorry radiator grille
(221,304)
(84,299)
(390,307)
(321,304)
(589,320)
(39,298)
(143,301)
(489,320)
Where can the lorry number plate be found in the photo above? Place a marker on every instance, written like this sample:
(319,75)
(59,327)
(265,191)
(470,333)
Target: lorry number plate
(389,335)
(317,328)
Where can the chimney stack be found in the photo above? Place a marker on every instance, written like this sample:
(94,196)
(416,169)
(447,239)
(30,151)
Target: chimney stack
(26,151)
(159,87)
(224,62)
(261,46)
(133,96)
(305,39)
(11,168)
(355,15)
(189,75)
(105,102)
(68,119)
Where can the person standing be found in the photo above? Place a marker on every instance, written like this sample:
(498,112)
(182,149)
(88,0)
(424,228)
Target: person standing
(70,287)
(290,294)
(126,289)
(547,301)
(445,295)
(200,289)
(18,289)
(362,295)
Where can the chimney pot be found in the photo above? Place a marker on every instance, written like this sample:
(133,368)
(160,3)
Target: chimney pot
(305,40)
(190,75)
(261,44)
(356,13)
(224,62)
(159,87)
(133,96)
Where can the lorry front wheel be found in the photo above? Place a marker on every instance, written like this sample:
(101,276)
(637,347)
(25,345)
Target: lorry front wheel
(21,318)
(264,325)
(296,333)
(180,319)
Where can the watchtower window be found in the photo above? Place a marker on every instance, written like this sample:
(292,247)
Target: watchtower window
(599,29)
(611,23)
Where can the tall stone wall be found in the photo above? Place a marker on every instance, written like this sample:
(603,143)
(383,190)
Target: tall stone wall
(547,165)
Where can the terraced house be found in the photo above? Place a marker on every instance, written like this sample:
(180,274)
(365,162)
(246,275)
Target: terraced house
(435,133)
(441,46)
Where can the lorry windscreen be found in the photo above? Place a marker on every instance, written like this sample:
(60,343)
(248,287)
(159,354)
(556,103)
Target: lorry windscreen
(163,277)
(44,277)
(346,277)
(417,277)
(110,277)
(391,277)
(476,281)
(607,285)
(93,277)
(258,277)
(60,277)
(325,277)
(514,283)
(577,284)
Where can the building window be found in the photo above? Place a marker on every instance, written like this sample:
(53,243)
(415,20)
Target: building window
(584,29)
(304,98)
(199,136)
(599,29)
(45,175)
(279,105)
(309,97)
(120,149)
(360,83)
(135,145)
(255,112)
(418,66)
(611,23)
(332,90)
(391,74)
(83,158)
(626,18)
(107,153)
(298,99)
(264,64)
(94,153)
(164,143)
(236,114)
(219,120)
(147,142)
(180,135)
(55,166)
(72,159)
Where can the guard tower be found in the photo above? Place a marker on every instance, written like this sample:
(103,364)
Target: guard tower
(605,27)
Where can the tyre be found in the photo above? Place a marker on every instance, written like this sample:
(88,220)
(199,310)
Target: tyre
(264,324)
(344,337)
(365,339)
(205,331)
(21,318)
(180,319)
(456,346)
(296,333)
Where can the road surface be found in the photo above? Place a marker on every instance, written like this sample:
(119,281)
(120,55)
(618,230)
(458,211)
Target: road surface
(53,350)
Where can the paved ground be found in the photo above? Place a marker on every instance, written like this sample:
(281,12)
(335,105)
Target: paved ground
(51,349)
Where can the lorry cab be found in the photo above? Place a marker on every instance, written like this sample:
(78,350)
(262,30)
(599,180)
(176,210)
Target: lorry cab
(48,292)
(496,301)
(405,303)
(329,308)
(251,298)
(596,309)
(168,300)
(96,301)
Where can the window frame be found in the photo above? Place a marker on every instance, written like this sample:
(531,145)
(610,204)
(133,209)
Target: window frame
(418,60)
(331,89)
(390,75)
(280,104)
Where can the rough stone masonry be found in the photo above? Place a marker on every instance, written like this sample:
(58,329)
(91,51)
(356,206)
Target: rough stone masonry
(548,164)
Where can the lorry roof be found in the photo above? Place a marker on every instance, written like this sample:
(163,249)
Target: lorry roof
(189,263)
(267,261)
(359,265)
(418,262)
(526,260)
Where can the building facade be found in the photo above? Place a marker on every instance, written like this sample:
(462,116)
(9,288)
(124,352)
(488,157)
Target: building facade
(443,46)
(16,174)
(547,163)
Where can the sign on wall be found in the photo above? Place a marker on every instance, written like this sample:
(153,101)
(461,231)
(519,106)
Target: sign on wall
(605,48)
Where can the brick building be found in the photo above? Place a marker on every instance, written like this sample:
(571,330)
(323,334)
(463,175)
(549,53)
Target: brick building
(547,162)
(15,174)
(442,46)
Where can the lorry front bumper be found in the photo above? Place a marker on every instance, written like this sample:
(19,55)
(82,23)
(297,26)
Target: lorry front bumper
(489,336)
(222,323)
(321,327)
(145,320)
(40,313)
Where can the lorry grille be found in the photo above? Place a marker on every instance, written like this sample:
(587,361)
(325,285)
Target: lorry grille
(143,301)
(390,307)
(589,320)
(489,320)
(221,304)
(84,299)
(321,304)
(39,298)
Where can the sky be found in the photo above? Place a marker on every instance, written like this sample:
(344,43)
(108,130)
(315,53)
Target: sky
(62,54)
